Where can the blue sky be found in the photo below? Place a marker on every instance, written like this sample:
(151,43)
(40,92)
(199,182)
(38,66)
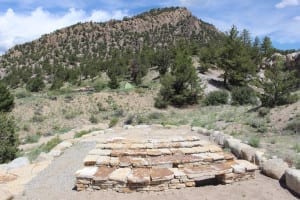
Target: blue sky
(24,20)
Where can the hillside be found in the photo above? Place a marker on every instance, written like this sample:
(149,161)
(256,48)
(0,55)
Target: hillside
(94,42)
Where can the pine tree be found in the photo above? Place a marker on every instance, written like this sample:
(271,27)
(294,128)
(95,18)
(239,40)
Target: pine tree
(267,47)
(235,60)
(6,99)
(278,85)
(181,85)
(8,139)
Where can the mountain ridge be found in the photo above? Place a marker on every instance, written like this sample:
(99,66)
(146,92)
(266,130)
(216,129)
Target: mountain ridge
(92,40)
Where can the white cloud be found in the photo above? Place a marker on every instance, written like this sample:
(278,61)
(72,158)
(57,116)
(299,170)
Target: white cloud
(17,28)
(285,3)
(297,18)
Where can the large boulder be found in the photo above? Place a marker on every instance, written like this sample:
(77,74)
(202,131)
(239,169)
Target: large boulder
(274,168)
(18,163)
(235,146)
(292,178)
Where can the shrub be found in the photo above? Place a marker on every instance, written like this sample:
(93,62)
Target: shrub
(80,134)
(35,84)
(254,141)
(23,94)
(294,126)
(262,112)
(99,85)
(216,98)
(6,99)
(93,119)
(160,102)
(297,147)
(50,144)
(57,84)
(32,138)
(243,95)
(8,139)
(113,122)
(129,120)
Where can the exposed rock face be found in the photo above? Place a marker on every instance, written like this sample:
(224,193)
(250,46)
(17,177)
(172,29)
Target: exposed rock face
(127,165)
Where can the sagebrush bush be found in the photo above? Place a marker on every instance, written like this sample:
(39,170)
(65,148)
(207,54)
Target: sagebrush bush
(160,102)
(254,141)
(243,96)
(8,139)
(216,98)
(113,122)
(293,126)
(262,112)
(93,119)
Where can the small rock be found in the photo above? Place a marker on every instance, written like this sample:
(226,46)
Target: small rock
(274,168)
(87,172)
(292,178)
(18,163)
(55,153)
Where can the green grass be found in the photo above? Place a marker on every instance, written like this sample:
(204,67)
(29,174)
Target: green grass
(34,153)
(254,141)
(80,134)
(113,122)
(32,138)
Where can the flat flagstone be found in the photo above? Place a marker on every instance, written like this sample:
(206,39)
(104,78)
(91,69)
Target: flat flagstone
(120,175)
(102,174)
(90,160)
(161,174)
(139,176)
(86,172)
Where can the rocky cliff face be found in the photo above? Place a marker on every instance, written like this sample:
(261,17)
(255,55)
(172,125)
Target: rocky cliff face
(96,41)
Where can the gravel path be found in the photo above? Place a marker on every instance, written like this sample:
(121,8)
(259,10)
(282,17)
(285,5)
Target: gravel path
(57,181)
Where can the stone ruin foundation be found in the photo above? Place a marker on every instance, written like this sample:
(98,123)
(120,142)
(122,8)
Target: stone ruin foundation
(127,165)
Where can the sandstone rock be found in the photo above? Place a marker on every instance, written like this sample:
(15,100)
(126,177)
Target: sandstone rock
(161,174)
(128,127)
(90,160)
(292,178)
(274,168)
(259,158)
(248,153)
(103,160)
(6,177)
(18,163)
(87,172)
(140,176)
(235,146)
(248,166)
(5,194)
(120,175)
(102,174)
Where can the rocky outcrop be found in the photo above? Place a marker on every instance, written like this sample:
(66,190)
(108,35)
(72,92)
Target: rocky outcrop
(274,168)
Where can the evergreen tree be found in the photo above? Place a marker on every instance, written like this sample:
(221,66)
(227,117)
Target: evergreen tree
(35,84)
(6,99)
(267,47)
(277,85)
(8,139)
(181,85)
(235,60)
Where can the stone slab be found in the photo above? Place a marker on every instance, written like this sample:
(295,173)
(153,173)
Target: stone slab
(161,174)
(120,175)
